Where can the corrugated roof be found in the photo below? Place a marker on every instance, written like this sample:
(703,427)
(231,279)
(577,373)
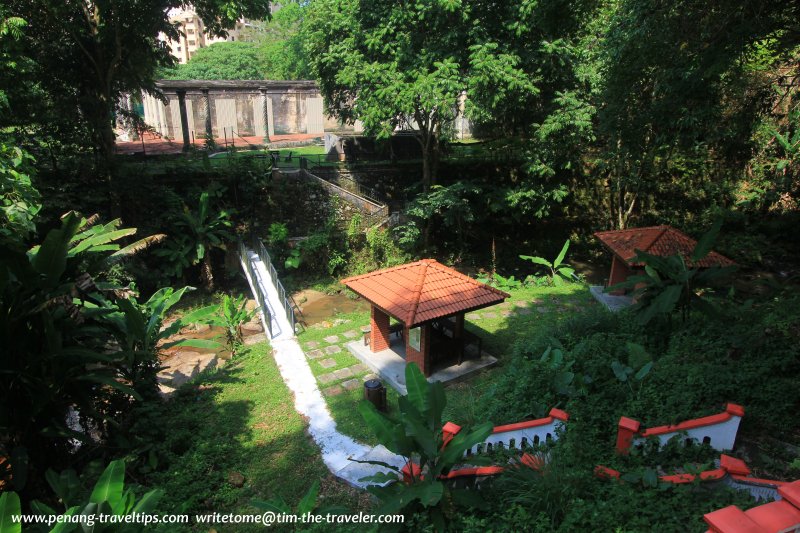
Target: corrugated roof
(657,240)
(424,290)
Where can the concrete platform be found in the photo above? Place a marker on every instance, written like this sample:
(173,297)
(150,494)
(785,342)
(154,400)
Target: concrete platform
(612,302)
(390,364)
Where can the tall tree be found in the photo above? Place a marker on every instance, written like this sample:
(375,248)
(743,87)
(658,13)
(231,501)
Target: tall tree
(88,53)
(221,61)
(391,65)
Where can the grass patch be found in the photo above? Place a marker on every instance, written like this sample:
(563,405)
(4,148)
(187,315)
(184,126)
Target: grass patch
(237,420)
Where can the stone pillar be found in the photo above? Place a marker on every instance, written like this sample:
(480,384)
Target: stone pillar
(379,332)
(266,108)
(207,114)
(626,429)
(187,141)
(422,356)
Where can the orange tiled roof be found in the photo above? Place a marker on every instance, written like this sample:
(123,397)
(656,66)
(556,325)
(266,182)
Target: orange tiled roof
(424,290)
(657,240)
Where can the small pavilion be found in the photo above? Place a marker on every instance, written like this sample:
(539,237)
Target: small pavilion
(429,301)
(655,240)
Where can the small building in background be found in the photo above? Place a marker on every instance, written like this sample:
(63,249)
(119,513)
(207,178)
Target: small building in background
(194,35)
(655,240)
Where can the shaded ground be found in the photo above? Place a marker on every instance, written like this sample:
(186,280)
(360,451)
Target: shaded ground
(233,435)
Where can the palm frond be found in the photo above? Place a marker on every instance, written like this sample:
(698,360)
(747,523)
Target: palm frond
(135,248)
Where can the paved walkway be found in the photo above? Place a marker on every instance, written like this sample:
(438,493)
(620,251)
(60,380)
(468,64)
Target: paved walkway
(336,448)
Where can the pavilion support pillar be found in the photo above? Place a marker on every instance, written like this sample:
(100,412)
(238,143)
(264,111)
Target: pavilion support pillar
(379,332)
(458,336)
(619,273)
(421,356)
(184,120)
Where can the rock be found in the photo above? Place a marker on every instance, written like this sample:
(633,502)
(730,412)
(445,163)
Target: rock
(331,339)
(236,479)
(315,354)
(255,339)
(351,384)
(359,368)
(333,391)
(332,349)
(327,363)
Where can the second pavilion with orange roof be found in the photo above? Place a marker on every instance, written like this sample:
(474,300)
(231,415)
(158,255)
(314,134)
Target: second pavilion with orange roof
(429,301)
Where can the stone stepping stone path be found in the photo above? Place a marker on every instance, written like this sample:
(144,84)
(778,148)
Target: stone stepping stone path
(315,354)
(351,384)
(350,334)
(332,339)
(490,314)
(524,311)
(473,316)
(311,345)
(333,391)
(327,363)
(343,373)
(365,329)
(333,349)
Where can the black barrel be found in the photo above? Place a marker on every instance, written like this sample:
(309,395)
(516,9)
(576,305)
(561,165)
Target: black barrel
(375,393)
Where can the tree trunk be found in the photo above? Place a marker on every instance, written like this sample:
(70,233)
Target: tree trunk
(205,271)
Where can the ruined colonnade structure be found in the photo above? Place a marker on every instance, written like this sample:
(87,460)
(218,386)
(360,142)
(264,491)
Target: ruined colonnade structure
(201,109)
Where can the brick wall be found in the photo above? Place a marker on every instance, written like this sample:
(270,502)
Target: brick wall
(418,356)
(379,334)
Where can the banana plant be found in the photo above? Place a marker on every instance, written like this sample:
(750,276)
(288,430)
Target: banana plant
(230,315)
(137,329)
(416,434)
(108,497)
(559,271)
(197,233)
(670,285)
(56,355)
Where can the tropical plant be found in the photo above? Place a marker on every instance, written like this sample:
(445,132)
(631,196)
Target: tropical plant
(307,504)
(416,433)
(197,233)
(669,284)
(638,366)
(559,271)
(57,357)
(139,334)
(231,315)
(108,497)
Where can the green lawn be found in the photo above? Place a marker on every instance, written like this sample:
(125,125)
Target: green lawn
(528,309)
(239,419)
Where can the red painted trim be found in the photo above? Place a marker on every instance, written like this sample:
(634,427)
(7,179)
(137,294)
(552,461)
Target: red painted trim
(604,472)
(734,409)
(629,424)
(758,481)
(708,475)
(477,471)
(732,465)
(523,425)
(688,424)
(559,414)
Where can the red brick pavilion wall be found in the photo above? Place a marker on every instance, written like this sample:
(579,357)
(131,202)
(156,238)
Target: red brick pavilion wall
(422,356)
(379,334)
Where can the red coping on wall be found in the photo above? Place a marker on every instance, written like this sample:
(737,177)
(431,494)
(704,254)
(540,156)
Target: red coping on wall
(736,468)
(628,428)
(555,414)
(731,410)
(773,517)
